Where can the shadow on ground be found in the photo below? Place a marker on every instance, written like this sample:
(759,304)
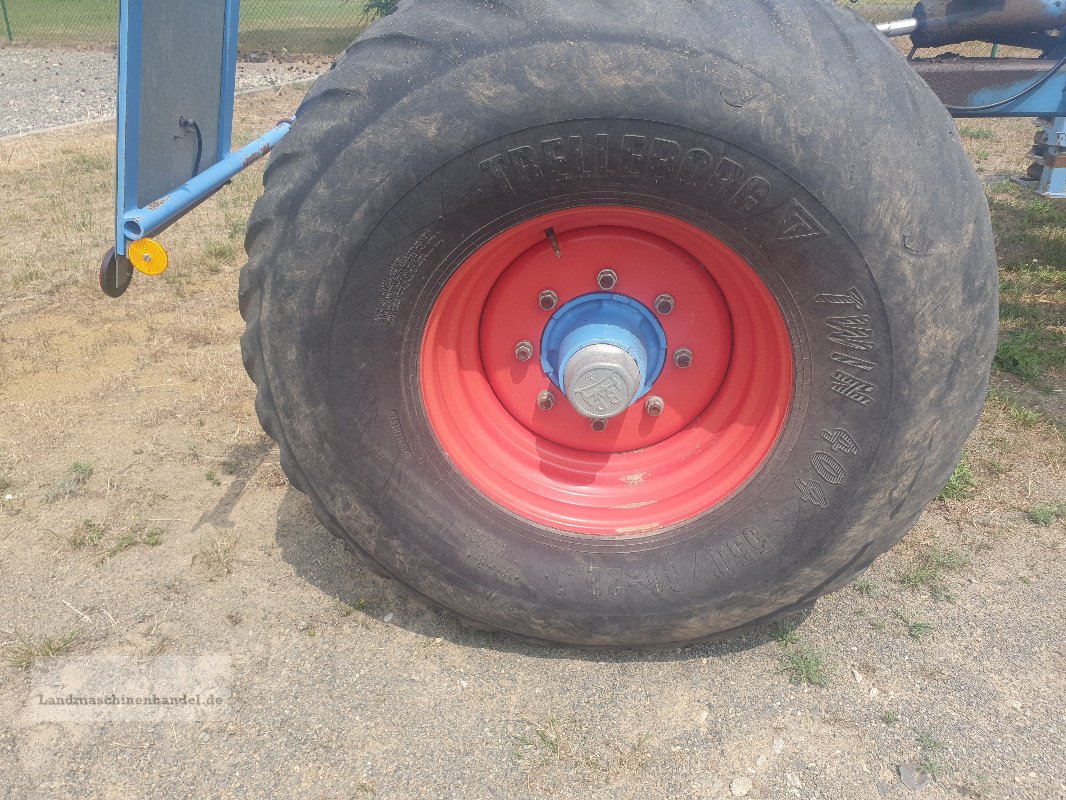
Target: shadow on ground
(244,460)
(326,563)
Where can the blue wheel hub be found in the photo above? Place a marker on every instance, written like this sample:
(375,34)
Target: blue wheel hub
(604,351)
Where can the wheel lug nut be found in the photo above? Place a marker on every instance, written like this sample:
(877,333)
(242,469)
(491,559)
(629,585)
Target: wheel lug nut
(545,401)
(599,425)
(523,351)
(548,300)
(607,279)
(664,304)
(683,358)
(654,406)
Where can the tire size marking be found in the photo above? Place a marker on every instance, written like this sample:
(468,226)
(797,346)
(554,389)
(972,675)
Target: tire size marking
(855,389)
(853,361)
(724,559)
(827,468)
(397,433)
(812,492)
(841,441)
(663,577)
(616,583)
(799,223)
(851,297)
(850,335)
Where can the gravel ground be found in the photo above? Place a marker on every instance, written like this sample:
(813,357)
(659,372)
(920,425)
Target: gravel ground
(44,88)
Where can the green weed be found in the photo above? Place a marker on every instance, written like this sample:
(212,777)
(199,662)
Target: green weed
(1013,407)
(375,9)
(972,132)
(919,630)
(123,543)
(960,485)
(136,535)
(805,665)
(27,649)
(1045,516)
(221,251)
(996,466)
(863,586)
(784,633)
(87,533)
(927,571)
(90,162)
(218,554)
(1029,354)
(927,756)
(77,476)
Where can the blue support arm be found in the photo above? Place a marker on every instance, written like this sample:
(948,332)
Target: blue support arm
(151,219)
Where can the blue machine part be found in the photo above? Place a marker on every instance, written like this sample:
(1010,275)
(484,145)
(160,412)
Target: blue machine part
(1053,180)
(1048,100)
(177,75)
(604,318)
(140,222)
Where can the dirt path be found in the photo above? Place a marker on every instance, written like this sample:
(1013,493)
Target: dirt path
(144,516)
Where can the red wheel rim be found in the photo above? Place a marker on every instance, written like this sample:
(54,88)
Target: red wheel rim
(722,414)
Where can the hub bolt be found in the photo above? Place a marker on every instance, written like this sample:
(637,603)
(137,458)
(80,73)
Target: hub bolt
(683,358)
(523,351)
(545,401)
(654,406)
(599,425)
(607,279)
(664,304)
(548,300)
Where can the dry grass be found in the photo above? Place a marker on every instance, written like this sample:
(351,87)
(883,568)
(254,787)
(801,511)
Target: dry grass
(218,554)
(564,744)
(77,476)
(26,649)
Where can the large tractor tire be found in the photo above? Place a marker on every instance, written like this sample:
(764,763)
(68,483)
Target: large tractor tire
(626,324)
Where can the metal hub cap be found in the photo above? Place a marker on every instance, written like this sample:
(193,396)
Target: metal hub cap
(602,381)
(604,351)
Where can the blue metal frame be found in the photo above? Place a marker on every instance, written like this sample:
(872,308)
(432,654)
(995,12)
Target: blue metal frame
(130,24)
(1053,181)
(151,219)
(1049,100)
(133,222)
(229,79)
